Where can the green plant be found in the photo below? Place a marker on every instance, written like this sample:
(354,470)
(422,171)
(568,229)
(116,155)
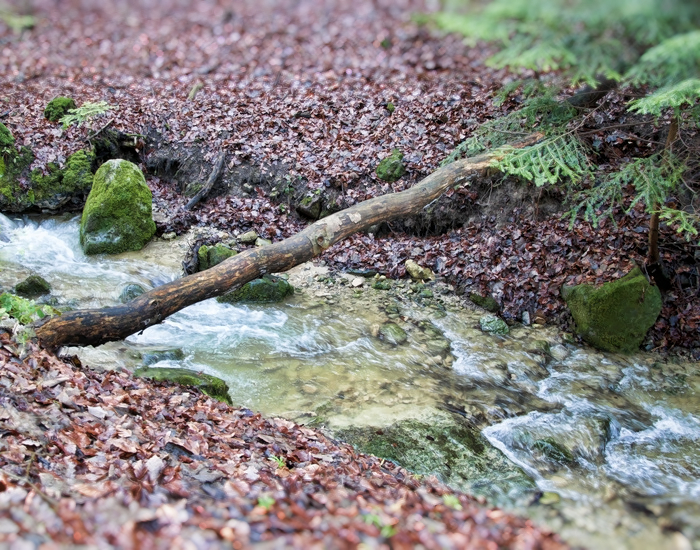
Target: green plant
(25,311)
(386,530)
(281,463)
(452,501)
(85,112)
(651,43)
(15,21)
(266,501)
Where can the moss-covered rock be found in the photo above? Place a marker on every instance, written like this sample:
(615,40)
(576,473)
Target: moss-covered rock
(266,290)
(617,315)
(7,140)
(493,324)
(486,302)
(391,168)
(392,334)
(206,383)
(33,287)
(417,272)
(130,291)
(209,256)
(450,449)
(58,107)
(50,189)
(117,216)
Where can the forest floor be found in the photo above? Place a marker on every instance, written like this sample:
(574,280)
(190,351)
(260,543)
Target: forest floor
(311,95)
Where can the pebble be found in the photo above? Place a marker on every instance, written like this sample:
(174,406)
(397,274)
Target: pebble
(357,282)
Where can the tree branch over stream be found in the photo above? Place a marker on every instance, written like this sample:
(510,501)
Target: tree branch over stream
(97,326)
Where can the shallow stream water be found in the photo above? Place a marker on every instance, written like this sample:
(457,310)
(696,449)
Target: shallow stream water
(610,442)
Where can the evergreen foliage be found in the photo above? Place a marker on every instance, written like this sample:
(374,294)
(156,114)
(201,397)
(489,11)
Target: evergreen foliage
(643,43)
(85,112)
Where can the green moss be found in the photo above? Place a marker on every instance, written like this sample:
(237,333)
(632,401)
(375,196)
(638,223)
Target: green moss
(616,316)
(265,290)
(7,140)
(493,324)
(554,451)
(393,334)
(77,173)
(33,286)
(391,168)
(206,383)
(118,215)
(14,165)
(448,448)
(58,107)
(486,302)
(209,256)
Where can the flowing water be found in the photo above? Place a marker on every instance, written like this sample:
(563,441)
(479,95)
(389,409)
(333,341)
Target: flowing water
(610,442)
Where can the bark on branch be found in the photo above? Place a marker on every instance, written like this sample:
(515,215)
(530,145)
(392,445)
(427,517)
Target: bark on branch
(97,326)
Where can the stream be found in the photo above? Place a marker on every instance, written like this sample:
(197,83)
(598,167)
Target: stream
(600,447)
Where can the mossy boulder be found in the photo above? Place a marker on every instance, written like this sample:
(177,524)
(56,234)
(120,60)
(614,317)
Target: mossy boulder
(392,334)
(391,168)
(206,383)
(33,287)
(209,256)
(7,140)
(452,450)
(486,302)
(58,107)
(616,316)
(50,189)
(494,325)
(117,216)
(266,290)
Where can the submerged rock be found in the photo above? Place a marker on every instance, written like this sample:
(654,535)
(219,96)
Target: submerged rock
(493,324)
(117,215)
(266,290)
(206,383)
(452,450)
(392,334)
(391,168)
(616,316)
(209,256)
(130,291)
(58,107)
(33,286)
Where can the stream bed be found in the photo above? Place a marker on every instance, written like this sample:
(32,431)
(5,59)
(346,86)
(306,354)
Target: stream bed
(600,447)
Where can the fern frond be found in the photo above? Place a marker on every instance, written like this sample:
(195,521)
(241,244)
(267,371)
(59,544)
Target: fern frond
(550,161)
(687,224)
(84,112)
(671,61)
(671,97)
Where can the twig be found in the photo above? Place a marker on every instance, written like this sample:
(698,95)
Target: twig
(210,182)
(98,132)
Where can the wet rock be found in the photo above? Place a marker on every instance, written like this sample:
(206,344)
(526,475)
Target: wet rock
(206,383)
(417,272)
(617,315)
(494,325)
(117,214)
(153,356)
(209,256)
(558,352)
(391,168)
(249,237)
(486,302)
(393,334)
(381,284)
(33,287)
(58,107)
(269,289)
(450,448)
(130,291)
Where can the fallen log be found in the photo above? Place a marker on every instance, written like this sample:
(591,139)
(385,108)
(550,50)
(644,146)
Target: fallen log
(97,326)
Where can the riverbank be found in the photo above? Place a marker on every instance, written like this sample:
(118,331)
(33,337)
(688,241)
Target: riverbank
(108,460)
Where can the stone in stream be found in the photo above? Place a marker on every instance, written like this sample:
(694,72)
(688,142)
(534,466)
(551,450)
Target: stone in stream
(447,446)
(117,216)
(206,383)
(266,290)
(33,287)
(616,316)
(494,325)
(130,291)
(392,334)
